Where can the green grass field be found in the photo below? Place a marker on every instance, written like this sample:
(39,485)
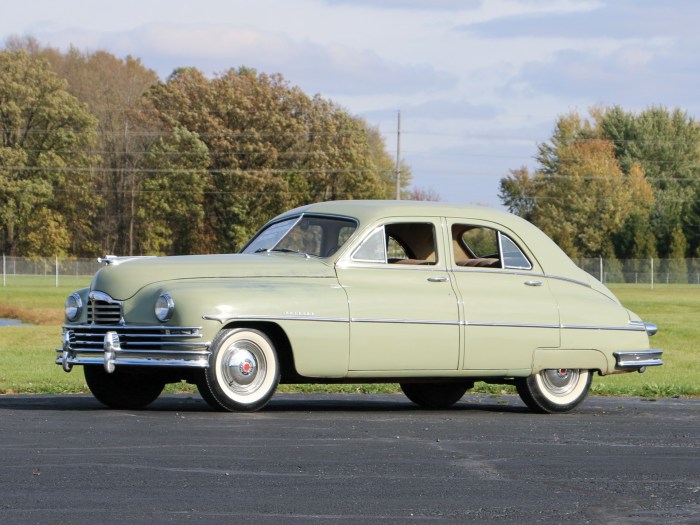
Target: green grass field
(27,352)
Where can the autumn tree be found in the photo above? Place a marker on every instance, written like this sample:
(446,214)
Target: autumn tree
(170,203)
(46,206)
(580,197)
(189,165)
(113,90)
(271,147)
(666,144)
(657,155)
(424,194)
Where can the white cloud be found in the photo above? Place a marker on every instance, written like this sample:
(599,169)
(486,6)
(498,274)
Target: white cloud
(479,83)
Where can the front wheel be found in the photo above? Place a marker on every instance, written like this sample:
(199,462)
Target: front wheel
(243,371)
(122,390)
(435,395)
(554,391)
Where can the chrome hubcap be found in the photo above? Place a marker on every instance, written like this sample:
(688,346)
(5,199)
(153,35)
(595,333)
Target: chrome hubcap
(243,367)
(561,381)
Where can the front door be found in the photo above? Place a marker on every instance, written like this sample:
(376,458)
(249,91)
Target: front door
(404,314)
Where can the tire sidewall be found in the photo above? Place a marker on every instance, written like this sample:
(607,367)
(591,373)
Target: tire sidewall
(551,402)
(216,383)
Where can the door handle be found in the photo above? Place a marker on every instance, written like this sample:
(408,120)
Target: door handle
(533,283)
(438,279)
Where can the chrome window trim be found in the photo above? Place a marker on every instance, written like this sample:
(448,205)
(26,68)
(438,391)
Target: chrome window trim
(502,255)
(387,266)
(298,218)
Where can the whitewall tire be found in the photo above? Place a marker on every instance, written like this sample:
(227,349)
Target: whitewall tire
(554,390)
(243,371)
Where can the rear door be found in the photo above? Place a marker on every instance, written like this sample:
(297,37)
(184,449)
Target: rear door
(508,307)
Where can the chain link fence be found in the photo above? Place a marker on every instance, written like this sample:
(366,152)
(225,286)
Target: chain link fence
(612,271)
(643,271)
(52,269)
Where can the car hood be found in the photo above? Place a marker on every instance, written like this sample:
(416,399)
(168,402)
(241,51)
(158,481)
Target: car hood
(123,279)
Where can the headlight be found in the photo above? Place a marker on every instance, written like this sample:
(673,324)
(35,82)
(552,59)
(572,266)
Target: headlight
(165,306)
(74,307)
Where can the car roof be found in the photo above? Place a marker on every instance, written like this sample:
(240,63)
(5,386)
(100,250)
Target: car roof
(550,257)
(369,210)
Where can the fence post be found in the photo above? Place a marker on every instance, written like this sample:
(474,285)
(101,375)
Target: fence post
(4,273)
(601,268)
(652,273)
(57,271)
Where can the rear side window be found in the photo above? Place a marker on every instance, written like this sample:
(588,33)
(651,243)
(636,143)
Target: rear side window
(479,246)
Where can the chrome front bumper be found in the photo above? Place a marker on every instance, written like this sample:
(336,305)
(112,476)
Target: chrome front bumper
(112,346)
(637,359)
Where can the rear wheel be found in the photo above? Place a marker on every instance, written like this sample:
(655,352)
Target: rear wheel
(435,395)
(553,391)
(243,371)
(122,390)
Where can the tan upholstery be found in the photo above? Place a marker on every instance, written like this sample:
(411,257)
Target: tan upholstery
(485,263)
(409,261)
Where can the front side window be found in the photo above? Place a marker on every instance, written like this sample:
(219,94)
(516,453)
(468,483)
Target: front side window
(399,243)
(313,235)
(372,249)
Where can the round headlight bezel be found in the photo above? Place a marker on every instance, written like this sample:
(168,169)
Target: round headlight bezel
(164,308)
(73,307)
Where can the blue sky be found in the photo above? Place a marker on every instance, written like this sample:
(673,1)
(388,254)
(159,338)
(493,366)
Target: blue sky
(479,83)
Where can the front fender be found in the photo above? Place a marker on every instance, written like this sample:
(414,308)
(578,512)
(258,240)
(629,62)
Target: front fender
(313,312)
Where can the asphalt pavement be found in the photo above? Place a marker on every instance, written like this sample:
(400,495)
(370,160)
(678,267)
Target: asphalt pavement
(349,459)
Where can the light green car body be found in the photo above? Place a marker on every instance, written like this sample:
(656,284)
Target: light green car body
(344,318)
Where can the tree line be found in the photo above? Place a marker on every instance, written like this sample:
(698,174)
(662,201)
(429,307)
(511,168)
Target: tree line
(100,156)
(615,184)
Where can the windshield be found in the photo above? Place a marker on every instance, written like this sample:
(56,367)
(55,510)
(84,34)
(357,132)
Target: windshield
(313,235)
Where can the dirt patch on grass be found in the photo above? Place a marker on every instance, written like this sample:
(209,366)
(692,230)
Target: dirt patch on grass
(43,316)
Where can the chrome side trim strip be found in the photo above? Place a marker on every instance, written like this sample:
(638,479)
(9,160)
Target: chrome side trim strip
(501,271)
(222,318)
(629,328)
(225,318)
(650,328)
(405,321)
(512,325)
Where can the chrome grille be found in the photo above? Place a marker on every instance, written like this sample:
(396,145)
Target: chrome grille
(134,337)
(103,310)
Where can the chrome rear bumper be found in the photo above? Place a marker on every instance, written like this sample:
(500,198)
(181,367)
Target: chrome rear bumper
(638,359)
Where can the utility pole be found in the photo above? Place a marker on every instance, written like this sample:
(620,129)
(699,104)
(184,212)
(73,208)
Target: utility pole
(398,158)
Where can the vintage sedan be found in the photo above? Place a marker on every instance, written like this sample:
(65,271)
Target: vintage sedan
(431,296)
